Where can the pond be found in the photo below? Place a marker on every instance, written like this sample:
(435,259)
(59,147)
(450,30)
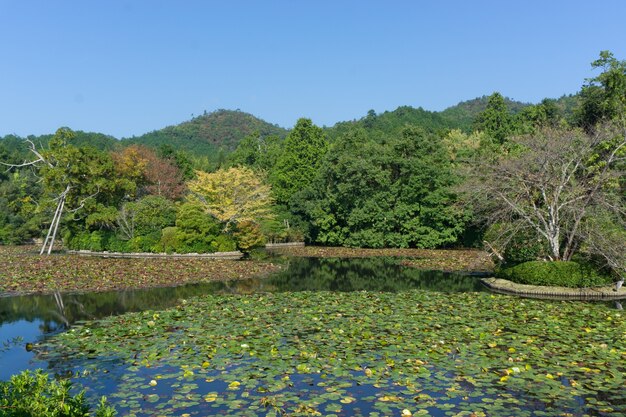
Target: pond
(30,318)
(333,337)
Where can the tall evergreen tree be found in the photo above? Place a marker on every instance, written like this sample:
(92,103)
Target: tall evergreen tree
(302,156)
(496,121)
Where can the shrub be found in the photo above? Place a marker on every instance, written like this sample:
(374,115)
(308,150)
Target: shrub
(169,242)
(224,243)
(248,236)
(522,247)
(196,230)
(559,273)
(145,243)
(35,395)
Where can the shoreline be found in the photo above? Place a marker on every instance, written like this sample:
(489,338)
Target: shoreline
(534,291)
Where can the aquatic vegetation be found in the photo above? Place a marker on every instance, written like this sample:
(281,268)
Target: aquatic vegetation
(431,259)
(354,354)
(26,272)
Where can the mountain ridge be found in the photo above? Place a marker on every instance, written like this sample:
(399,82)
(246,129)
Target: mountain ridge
(214,134)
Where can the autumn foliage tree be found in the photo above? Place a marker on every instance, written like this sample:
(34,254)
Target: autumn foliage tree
(232,196)
(151,174)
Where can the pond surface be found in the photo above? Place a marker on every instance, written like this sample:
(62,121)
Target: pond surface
(334,337)
(31,318)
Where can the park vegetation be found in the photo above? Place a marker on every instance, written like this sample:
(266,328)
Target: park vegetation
(528,183)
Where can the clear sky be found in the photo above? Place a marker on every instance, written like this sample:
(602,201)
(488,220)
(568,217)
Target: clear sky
(128,67)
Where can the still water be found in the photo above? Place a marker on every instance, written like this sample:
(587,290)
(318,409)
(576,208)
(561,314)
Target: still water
(29,319)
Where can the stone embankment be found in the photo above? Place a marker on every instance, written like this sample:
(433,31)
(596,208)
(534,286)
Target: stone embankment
(216,255)
(597,293)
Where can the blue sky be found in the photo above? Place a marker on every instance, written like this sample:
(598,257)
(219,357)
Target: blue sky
(128,67)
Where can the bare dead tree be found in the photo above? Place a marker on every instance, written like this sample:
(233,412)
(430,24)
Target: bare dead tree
(549,185)
(126,220)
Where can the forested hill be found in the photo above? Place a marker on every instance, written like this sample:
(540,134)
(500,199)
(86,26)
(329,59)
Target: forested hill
(462,115)
(209,134)
(16,149)
(392,122)
(212,136)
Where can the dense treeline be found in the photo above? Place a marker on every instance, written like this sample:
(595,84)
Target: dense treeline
(395,179)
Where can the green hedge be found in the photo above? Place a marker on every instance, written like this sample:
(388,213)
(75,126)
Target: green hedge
(557,274)
(35,395)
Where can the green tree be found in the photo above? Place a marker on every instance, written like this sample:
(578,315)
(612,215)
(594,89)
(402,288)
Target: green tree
(77,181)
(195,229)
(604,96)
(20,215)
(383,193)
(495,121)
(257,152)
(302,156)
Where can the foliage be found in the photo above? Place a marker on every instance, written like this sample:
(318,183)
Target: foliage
(549,188)
(302,156)
(555,274)
(211,134)
(224,243)
(232,195)
(604,96)
(391,123)
(20,217)
(178,158)
(391,193)
(495,121)
(257,152)
(151,214)
(148,173)
(463,115)
(195,229)
(282,226)
(248,236)
(545,114)
(521,247)
(35,395)
(461,146)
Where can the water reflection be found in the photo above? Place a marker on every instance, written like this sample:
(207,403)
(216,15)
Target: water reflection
(35,317)
(369,274)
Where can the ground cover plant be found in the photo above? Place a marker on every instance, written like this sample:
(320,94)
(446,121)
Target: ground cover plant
(354,354)
(23,271)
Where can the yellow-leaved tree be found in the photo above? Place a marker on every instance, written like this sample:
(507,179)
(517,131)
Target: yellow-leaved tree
(233,195)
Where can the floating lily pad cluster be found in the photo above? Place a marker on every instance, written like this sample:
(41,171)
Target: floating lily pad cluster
(354,354)
(23,272)
(431,259)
